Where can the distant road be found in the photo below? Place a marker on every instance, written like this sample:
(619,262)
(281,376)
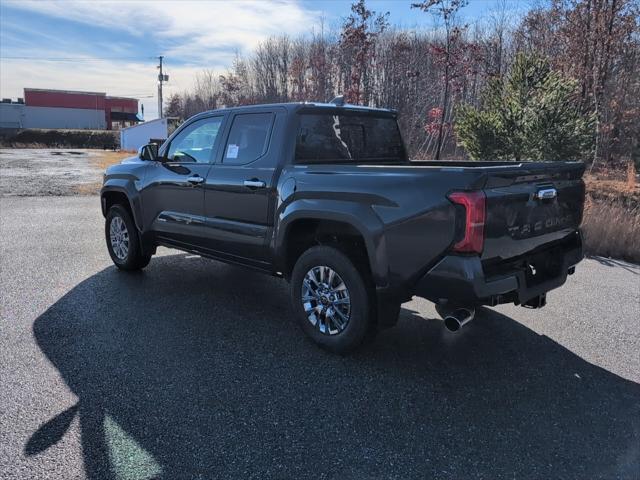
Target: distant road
(195,369)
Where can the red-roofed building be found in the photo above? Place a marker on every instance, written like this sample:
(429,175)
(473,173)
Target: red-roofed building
(46,108)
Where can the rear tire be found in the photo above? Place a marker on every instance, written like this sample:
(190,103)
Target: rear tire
(123,241)
(332,299)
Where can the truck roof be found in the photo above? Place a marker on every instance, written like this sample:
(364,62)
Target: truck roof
(295,106)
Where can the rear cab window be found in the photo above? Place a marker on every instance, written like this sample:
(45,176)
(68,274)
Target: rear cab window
(348,137)
(248,138)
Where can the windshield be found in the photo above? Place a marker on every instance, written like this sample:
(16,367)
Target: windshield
(348,138)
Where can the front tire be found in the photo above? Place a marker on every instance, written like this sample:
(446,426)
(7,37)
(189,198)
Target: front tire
(332,299)
(123,241)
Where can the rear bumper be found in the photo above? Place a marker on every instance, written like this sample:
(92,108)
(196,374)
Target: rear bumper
(463,280)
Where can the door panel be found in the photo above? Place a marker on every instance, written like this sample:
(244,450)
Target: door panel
(174,206)
(236,215)
(173,196)
(240,191)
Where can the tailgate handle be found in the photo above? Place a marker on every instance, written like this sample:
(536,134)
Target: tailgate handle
(546,194)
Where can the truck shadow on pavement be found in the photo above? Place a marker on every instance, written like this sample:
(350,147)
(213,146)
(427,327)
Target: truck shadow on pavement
(193,369)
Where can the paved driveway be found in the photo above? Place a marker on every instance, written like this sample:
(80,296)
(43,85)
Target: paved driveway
(195,369)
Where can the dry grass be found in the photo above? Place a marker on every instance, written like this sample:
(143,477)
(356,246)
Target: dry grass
(611,224)
(603,189)
(102,160)
(87,188)
(106,158)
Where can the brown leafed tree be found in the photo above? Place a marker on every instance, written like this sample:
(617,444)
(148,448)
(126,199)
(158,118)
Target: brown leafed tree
(447,55)
(426,74)
(357,44)
(597,43)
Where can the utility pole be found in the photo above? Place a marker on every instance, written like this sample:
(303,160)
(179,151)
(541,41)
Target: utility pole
(161,78)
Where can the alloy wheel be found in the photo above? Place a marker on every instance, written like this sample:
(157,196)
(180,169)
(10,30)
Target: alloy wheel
(326,300)
(119,236)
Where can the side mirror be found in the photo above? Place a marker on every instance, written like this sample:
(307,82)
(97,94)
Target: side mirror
(148,152)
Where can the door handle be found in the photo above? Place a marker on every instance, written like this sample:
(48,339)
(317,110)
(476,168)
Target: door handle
(254,183)
(196,179)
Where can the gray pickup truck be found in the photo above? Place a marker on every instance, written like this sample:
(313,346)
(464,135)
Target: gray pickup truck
(324,196)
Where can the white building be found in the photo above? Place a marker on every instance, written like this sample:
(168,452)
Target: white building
(132,138)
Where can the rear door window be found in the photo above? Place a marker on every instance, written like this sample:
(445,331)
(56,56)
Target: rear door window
(248,138)
(348,138)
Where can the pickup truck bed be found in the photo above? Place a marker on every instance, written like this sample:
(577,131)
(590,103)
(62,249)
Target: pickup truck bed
(277,187)
(411,228)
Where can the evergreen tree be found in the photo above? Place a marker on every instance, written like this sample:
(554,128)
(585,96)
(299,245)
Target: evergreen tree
(531,114)
(174,107)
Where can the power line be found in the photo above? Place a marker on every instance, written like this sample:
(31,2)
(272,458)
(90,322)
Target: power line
(74,59)
(130,95)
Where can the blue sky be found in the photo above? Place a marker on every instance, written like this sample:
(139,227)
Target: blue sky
(109,46)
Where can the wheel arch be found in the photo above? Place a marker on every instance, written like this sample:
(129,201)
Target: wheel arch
(115,193)
(301,228)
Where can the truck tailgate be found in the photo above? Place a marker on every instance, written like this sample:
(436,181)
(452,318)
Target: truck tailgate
(530,207)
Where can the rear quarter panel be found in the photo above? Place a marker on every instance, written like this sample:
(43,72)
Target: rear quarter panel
(401,211)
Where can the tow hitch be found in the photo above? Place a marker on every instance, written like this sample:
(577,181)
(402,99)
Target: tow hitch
(536,302)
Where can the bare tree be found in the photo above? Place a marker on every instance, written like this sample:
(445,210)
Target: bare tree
(446,10)
(357,43)
(426,74)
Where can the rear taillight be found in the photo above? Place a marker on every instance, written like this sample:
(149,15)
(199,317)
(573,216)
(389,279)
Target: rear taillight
(474,205)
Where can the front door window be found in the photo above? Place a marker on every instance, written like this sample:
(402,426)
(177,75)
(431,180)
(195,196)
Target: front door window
(195,144)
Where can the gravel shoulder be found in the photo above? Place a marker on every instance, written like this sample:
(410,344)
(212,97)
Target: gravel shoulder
(195,369)
(52,172)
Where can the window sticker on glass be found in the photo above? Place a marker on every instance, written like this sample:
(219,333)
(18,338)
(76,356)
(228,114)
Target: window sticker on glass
(232,151)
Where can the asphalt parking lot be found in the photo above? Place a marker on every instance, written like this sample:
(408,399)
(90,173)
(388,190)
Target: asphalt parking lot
(195,369)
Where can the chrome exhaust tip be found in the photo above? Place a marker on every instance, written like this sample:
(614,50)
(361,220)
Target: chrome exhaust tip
(455,318)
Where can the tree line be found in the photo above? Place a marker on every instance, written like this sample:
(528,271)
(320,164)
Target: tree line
(561,82)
